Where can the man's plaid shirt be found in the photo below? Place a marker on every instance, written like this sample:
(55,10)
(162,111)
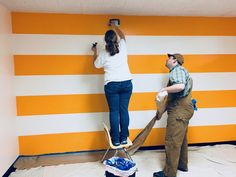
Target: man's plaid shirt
(179,75)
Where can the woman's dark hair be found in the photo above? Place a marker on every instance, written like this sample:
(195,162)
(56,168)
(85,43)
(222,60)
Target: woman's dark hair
(111,42)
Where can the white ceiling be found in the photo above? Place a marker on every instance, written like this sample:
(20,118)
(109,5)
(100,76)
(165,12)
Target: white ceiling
(220,8)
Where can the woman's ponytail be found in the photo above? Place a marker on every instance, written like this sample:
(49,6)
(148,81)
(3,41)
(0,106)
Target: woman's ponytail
(112,45)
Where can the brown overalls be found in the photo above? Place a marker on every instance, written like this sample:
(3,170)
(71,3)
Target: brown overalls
(180,111)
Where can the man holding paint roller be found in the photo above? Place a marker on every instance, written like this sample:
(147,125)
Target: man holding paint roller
(180,110)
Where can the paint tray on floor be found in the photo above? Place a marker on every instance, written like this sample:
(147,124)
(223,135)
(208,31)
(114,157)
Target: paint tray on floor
(117,166)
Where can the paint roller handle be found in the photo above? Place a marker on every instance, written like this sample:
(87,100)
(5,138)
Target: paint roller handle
(94,46)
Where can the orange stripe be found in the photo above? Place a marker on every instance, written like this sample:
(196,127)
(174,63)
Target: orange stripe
(215,99)
(42,23)
(139,64)
(87,103)
(69,142)
(210,63)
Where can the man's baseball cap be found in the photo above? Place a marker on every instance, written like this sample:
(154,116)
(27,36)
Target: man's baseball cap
(179,57)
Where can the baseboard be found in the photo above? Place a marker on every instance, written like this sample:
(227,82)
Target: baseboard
(213,143)
(193,144)
(11,169)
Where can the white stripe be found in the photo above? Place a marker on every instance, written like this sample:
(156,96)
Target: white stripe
(89,122)
(87,84)
(81,44)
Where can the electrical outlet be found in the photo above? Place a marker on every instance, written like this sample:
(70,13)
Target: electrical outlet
(115,21)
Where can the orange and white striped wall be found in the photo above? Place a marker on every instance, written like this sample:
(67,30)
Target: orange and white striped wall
(59,94)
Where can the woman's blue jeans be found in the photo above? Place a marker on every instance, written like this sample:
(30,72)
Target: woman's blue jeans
(118,96)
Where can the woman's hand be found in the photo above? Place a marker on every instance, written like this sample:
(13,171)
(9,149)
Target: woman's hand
(94,47)
(118,30)
(112,24)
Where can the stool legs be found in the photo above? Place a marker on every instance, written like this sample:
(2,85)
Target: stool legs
(116,152)
(127,154)
(103,158)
